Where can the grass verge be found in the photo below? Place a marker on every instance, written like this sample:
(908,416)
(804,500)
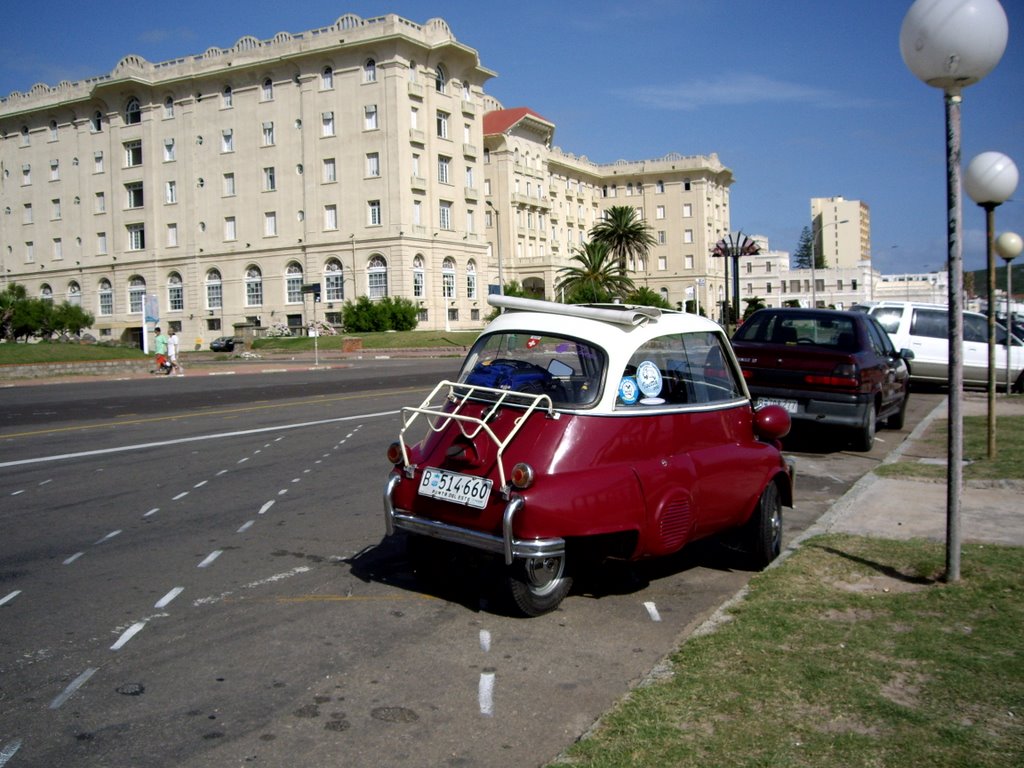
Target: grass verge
(56,352)
(1008,463)
(850,653)
(386,340)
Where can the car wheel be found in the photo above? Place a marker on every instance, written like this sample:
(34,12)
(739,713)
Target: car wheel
(897,419)
(765,528)
(538,584)
(866,433)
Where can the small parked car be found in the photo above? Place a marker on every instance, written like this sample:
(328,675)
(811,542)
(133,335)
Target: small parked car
(580,433)
(924,329)
(223,344)
(823,366)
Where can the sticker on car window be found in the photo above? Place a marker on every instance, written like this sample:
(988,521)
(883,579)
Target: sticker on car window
(629,393)
(648,377)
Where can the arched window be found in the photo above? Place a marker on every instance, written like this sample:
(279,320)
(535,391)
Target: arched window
(74,294)
(175,293)
(105,294)
(377,277)
(227,97)
(370,71)
(253,287)
(25,138)
(96,124)
(664,294)
(267,91)
(293,283)
(440,79)
(448,278)
(659,186)
(214,290)
(471,280)
(46,292)
(136,294)
(168,108)
(53,130)
(326,79)
(132,112)
(419,278)
(334,281)
(413,76)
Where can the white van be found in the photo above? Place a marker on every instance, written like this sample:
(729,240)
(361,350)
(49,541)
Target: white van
(924,329)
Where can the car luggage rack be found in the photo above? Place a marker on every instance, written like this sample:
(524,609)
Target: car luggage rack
(457,394)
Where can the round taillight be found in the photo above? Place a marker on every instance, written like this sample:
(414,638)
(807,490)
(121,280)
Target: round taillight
(522,476)
(395,453)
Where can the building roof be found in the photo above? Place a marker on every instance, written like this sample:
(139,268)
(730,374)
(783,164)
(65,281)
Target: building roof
(500,120)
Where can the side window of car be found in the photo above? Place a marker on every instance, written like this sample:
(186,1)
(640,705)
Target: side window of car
(976,329)
(932,323)
(879,339)
(888,318)
(678,369)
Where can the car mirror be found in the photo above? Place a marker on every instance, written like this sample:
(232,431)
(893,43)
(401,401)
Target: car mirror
(771,423)
(907,354)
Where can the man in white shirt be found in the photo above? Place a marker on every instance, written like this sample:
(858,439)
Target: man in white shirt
(172,352)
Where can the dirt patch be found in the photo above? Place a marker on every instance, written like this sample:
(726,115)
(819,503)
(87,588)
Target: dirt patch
(879,583)
(904,688)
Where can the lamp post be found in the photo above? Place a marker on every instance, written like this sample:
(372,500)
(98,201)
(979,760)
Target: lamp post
(951,44)
(732,247)
(990,180)
(814,239)
(1009,246)
(497,241)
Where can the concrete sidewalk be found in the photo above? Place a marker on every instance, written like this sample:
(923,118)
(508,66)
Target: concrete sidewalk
(990,511)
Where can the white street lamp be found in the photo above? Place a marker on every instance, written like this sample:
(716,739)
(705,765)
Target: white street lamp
(1009,246)
(950,44)
(990,179)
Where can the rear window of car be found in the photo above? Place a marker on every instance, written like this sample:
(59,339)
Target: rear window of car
(888,317)
(796,328)
(931,323)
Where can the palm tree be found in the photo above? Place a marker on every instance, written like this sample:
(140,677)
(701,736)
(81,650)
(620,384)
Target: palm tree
(626,235)
(595,277)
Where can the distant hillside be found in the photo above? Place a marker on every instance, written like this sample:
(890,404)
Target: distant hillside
(974,282)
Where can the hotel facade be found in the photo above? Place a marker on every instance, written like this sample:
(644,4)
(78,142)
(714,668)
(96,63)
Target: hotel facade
(365,156)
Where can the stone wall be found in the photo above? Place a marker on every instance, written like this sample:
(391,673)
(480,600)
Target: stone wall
(91,368)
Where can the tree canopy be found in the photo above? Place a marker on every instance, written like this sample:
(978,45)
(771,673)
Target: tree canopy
(625,234)
(802,254)
(23,316)
(593,276)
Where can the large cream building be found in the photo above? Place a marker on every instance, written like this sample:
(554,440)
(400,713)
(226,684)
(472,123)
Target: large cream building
(364,156)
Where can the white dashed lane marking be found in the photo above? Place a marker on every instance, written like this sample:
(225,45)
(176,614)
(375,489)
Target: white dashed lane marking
(210,558)
(7,598)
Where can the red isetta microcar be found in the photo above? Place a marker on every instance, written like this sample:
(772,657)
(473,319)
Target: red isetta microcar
(574,431)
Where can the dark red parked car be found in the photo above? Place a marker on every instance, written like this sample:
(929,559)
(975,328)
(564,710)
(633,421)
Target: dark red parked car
(825,367)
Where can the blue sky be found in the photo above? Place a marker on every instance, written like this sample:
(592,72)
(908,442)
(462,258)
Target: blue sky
(800,98)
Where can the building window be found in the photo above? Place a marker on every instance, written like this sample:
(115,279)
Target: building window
(172,235)
(327,127)
(106,298)
(443,165)
(101,243)
(326,79)
(97,162)
(267,90)
(229,185)
(26,175)
(168,108)
(227,98)
(662,263)
(268,134)
(330,217)
(334,281)
(134,197)
(175,293)
(74,294)
(55,170)
(687,210)
(330,170)
(30,252)
(136,237)
(253,287)
(440,79)
(471,280)
(442,124)
(687,235)
(418,278)
(132,112)
(101,202)
(370,117)
(448,278)
(270,224)
(171,192)
(688,262)
(230,228)
(373,164)
(214,290)
(96,122)
(373,213)
(444,215)
(370,71)
(136,295)
(26,214)
(417,212)
(470,180)
(293,283)
(168,150)
(377,277)
(414,118)
(269,179)
(132,153)
(662,237)
(58,249)
(227,140)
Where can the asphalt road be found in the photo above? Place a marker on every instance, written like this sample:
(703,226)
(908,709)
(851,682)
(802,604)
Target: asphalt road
(193,573)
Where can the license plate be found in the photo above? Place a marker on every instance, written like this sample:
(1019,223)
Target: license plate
(789,405)
(468,490)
